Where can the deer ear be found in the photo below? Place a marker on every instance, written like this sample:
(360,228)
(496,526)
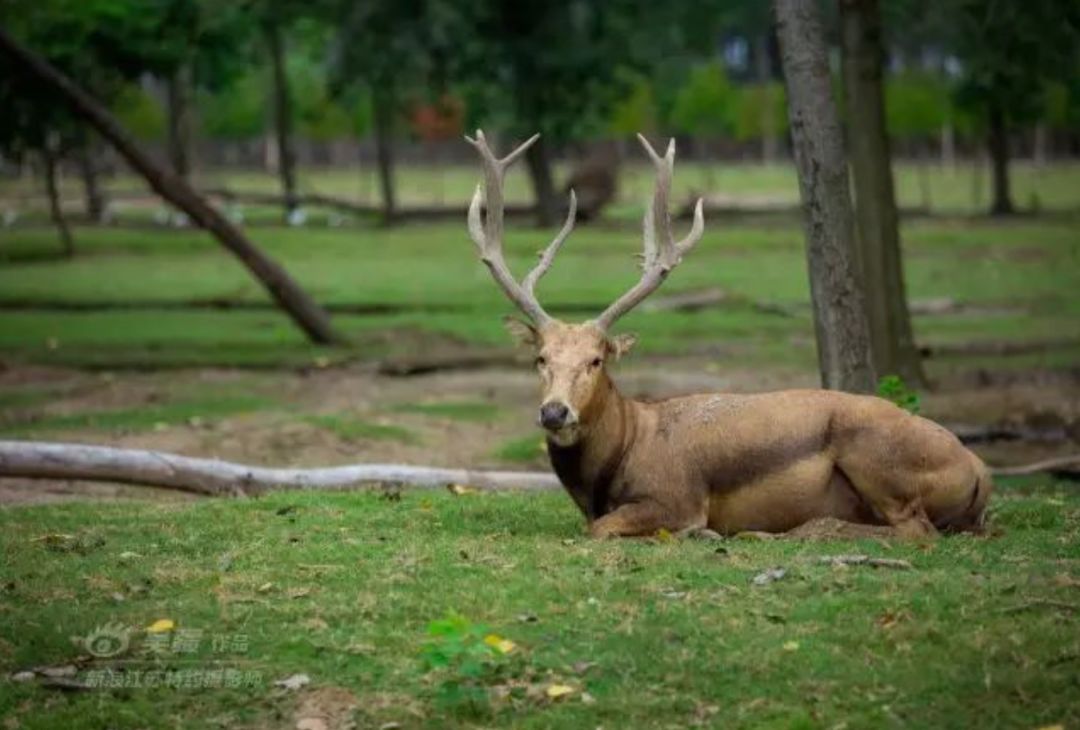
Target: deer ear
(523,332)
(619,345)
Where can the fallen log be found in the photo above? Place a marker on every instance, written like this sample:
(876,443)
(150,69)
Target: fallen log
(213,477)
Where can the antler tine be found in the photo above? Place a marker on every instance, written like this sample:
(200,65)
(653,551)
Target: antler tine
(487,234)
(661,253)
(548,256)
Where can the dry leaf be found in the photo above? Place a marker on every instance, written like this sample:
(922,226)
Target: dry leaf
(499,644)
(265,587)
(459,489)
(299,592)
(768,576)
(555,691)
(161,626)
(791,646)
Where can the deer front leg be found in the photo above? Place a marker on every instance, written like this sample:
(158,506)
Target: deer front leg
(639,519)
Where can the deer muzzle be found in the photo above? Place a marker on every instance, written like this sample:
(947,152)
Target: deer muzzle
(556,415)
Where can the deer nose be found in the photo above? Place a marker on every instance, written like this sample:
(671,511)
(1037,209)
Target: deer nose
(553,415)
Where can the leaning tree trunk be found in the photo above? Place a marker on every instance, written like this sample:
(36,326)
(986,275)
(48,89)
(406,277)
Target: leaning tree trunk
(998,147)
(282,118)
(839,315)
(56,210)
(181,126)
(384,111)
(538,160)
(282,287)
(90,171)
(876,216)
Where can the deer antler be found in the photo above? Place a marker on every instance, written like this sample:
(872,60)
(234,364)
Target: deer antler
(661,253)
(488,235)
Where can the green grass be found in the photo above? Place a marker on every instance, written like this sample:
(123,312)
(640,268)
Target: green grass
(142,418)
(478,411)
(342,587)
(524,450)
(351,429)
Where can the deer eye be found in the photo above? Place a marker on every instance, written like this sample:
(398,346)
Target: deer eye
(597,362)
(541,361)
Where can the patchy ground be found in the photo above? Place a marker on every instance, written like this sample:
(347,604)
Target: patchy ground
(464,418)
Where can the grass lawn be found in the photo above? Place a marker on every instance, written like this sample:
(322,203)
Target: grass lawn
(1023,275)
(348,588)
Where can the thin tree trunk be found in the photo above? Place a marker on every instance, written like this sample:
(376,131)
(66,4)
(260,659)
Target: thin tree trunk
(181,127)
(770,144)
(922,164)
(384,153)
(1039,145)
(948,145)
(90,172)
(843,339)
(56,210)
(876,217)
(283,288)
(998,147)
(282,118)
(538,160)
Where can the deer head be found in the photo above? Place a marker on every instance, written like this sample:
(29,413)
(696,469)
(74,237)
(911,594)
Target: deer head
(571,359)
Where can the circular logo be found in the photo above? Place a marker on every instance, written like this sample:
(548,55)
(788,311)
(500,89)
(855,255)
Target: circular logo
(108,640)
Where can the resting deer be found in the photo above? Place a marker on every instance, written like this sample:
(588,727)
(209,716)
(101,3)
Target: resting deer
(723,462)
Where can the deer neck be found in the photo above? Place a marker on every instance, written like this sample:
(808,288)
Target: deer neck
(588,467)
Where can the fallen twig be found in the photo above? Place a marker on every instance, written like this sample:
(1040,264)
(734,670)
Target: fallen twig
(40,460)
(866,560)
(1060,462)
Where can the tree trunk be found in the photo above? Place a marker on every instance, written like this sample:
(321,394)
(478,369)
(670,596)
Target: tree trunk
(56,210)
(90,172)
(998,147)
(876,217)
(286,156)
(539,163)
(384,111)
(840,323)
(284,290)
(770,144)
(948,145)
(181,125)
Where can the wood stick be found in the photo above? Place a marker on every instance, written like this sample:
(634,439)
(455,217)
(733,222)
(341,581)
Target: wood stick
(41,460)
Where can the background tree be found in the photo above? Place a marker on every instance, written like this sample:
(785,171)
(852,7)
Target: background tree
(1009,50)
(843,341)
(53,86)
(880,258)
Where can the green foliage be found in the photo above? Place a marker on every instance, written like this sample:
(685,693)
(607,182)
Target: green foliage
(140,113)
(637,111)
(892,388)
(237,111)
(916,104)
(465,662)
(704,104)
(752,102)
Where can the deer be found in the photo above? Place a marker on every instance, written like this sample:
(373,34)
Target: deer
(714,463)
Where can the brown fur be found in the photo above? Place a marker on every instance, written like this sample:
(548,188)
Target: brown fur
(765,462)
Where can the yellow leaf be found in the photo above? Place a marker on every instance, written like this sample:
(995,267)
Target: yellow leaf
(791,646)
(460,489)
(161,626)
(499,644)
(556,691)
(663,535)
